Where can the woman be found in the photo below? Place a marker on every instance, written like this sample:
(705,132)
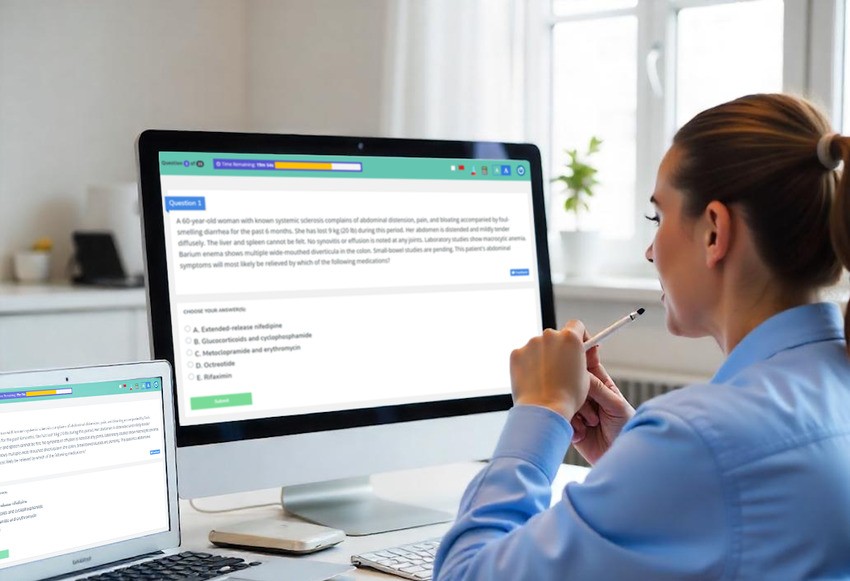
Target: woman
(745,477)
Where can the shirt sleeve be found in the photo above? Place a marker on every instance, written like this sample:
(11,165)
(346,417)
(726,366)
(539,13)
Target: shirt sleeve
(654,507)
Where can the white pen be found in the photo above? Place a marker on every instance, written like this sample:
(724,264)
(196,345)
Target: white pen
(610,329)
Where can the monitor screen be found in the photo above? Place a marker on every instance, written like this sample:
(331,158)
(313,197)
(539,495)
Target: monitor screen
(311,284)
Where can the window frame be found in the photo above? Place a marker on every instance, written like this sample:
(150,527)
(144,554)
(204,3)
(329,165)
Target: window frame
(813,49)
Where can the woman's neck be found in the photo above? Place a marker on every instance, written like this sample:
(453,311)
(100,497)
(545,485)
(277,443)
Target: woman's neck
(743,312)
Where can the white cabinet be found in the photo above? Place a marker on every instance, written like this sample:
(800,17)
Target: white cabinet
(64,326)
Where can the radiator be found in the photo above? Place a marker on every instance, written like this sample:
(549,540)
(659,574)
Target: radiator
(638,387)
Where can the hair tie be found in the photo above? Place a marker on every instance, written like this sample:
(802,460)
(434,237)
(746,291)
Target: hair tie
(825,153)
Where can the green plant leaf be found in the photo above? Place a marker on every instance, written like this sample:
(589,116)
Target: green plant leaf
(579,177)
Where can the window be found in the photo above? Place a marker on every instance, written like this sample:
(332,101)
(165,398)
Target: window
(597,97)
(724,51)
(630,72)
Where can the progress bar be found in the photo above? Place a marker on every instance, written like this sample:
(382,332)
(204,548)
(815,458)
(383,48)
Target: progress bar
(318,166)
(35,393)
(291,165)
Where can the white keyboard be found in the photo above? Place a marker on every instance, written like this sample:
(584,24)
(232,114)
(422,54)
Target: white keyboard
(412,561)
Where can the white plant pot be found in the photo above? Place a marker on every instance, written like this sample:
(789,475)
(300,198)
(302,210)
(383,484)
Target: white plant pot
(580,252)
(31,266)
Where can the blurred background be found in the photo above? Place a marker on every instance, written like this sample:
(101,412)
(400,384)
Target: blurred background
(80,79)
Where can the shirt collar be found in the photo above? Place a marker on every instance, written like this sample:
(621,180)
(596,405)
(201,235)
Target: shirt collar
(785,330)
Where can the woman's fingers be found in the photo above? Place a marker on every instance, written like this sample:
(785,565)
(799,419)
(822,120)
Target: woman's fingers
(588,414)
(579,429)
(595,367)
(607,398)
(551,370)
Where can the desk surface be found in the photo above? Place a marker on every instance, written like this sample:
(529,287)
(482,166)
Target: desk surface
(438,487)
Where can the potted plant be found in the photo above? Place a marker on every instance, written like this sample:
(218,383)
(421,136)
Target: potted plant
(33,265)
(579,182)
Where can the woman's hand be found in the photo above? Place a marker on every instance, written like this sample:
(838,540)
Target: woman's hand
(603,414)
(551,370)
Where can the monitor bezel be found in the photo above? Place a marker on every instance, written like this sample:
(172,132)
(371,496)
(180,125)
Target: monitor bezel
(149,145)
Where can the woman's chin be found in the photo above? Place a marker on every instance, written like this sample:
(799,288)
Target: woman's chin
(672,325)
(673,328)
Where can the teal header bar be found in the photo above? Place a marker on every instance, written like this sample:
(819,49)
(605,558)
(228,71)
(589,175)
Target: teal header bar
(340,166)
(69,391)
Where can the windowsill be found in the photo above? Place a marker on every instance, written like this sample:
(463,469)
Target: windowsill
(606,289)
(625,289)
(16,299)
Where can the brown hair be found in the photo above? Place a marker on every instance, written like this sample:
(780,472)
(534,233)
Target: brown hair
(760,153)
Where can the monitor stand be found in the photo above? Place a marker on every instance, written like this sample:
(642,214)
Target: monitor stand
(350,504)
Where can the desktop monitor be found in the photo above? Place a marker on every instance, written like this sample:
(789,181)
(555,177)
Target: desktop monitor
(335,307)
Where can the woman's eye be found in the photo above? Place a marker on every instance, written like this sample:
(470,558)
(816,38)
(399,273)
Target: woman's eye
(654,218)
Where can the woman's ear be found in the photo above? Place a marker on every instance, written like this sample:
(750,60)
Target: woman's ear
(718,233)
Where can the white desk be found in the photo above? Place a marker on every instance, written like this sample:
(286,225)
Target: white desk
(439,488)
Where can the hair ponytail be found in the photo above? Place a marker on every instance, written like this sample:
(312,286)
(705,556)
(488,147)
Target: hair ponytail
(774,155)
(839,217)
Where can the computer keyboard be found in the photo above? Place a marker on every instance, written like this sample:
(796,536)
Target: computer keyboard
(412,561)
(186,566)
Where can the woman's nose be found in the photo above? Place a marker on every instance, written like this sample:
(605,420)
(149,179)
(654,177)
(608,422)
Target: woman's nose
(648,253)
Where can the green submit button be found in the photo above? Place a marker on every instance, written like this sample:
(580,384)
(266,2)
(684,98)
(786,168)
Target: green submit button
(4,554)
(209,402)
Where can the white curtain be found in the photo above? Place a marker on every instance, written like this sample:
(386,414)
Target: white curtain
(455,70)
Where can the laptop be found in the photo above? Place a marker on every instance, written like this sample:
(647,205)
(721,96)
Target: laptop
(88,482)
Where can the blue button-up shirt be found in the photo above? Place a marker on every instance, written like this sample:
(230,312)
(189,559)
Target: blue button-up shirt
(746,477)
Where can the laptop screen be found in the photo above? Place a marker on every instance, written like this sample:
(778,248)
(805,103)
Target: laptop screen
(81,465)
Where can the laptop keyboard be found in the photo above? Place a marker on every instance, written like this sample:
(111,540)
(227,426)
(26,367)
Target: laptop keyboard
(412,561)
(186,566)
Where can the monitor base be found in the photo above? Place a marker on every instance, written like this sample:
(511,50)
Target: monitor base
(351,505)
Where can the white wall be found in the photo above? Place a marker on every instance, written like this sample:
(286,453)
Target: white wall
(79,79)
(317,66)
